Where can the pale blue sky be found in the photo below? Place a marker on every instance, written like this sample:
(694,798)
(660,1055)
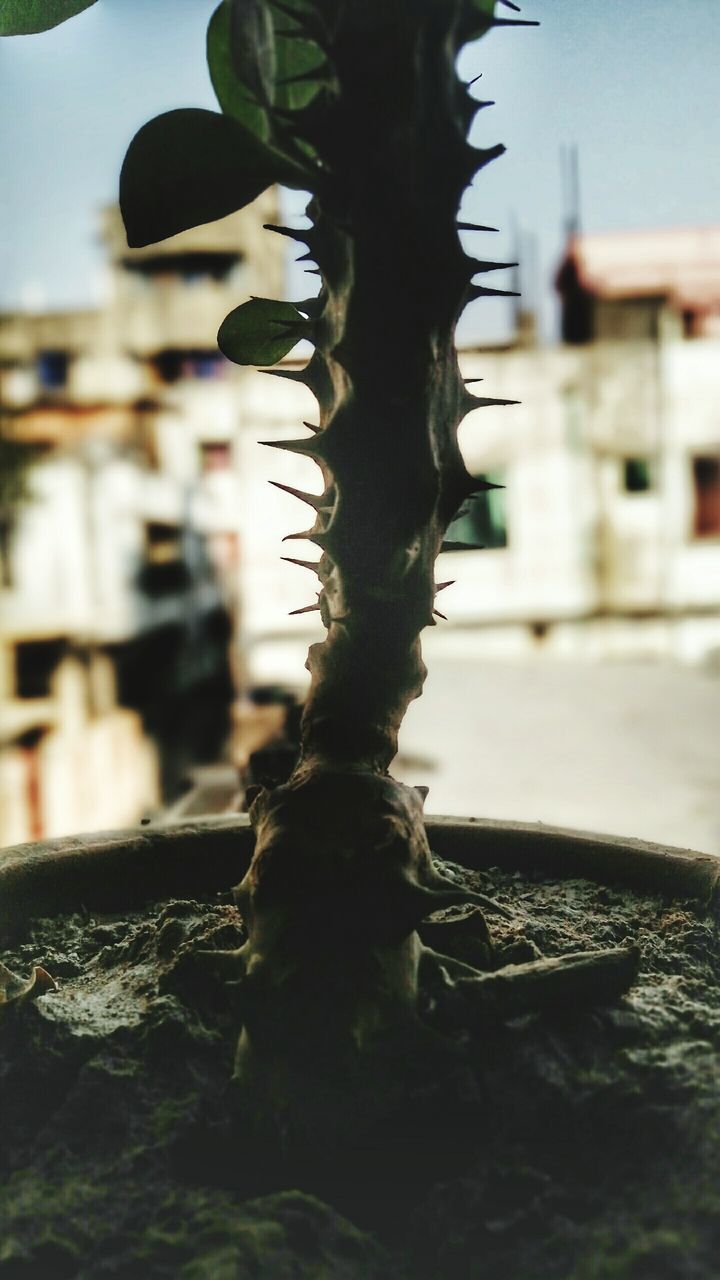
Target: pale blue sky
(634,84)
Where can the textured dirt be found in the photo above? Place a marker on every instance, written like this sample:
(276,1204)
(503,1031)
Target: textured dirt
(582,1147)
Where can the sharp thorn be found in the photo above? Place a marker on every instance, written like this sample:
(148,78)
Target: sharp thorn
(479,266)
(438,614)
(462,546)
(440,586)
(313,306)
(482,291)
(312,426)
(305,535)
(469,83)
(467,381)
(513,22)
(309,608)
(485,155)
(474,226)
(485,402)
(293,446)
(294,375)
(303,564)
(509,5)
(478,484)
(290,232)
(312,500)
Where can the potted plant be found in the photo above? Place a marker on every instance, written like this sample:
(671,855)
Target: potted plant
(354,1008)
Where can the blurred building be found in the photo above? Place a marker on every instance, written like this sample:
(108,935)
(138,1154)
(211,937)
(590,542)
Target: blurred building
(142,577)
(121,531)
(605,541)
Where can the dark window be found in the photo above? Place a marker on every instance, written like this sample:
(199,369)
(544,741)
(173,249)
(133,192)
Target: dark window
(35,664)
(637,475)
(174,364)
(691,324)
(162,542)
(189,267)
(204,364)
(482,520)
(6,563)
(52,369)
(706,486)
(168,365)
(164,571)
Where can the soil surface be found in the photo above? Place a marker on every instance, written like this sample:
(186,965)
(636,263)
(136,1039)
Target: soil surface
(585,1146)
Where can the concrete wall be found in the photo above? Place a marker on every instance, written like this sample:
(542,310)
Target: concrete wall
(580,546)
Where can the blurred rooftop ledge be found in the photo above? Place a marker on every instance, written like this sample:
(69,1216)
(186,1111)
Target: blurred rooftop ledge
(681,263)
(20,715)
(226,235)
(21,620)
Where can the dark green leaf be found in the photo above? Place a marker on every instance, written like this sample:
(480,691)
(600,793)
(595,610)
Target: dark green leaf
(25,17)
(252,46)
(187,167)
(301,18)
(297,58)
(294,57)
(231,94)
(261,331)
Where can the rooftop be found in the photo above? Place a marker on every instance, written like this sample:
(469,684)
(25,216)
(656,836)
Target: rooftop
(682,264)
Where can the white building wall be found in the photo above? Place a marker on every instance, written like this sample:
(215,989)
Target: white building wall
(692,378)
(51,552)
(579,546)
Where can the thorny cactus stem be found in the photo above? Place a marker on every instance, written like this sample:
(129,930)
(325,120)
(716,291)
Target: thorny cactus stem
(390,134)
(395,279)
(389,131)
(342,874)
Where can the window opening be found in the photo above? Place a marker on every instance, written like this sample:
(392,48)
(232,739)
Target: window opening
(706,486)
(52,369)
(483,522)
(638,475)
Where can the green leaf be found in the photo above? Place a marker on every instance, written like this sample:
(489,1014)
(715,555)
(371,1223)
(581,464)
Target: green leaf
(252,46)
(231,93)
(187,167)
(261,331)
(297,58)
(293,57)
(26,17)
(297,55)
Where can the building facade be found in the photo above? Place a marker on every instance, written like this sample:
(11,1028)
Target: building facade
(121,531)
(142,579)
